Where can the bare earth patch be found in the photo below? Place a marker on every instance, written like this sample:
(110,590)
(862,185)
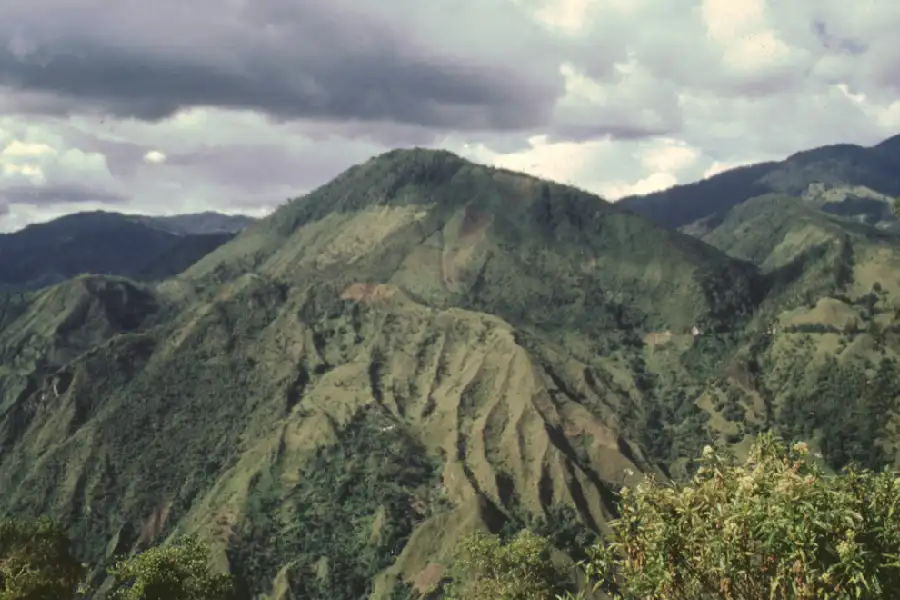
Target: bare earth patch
(474,225)
(155,523)
(658,337)
(368,292)
(428,578)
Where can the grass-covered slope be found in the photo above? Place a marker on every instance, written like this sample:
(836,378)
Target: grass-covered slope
(359,433)
(820,361)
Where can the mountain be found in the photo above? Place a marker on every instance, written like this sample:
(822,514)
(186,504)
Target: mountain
(854,177)
(425,346)
(418,348)
(100,242)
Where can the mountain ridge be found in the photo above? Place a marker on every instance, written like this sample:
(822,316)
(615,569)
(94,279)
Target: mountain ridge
(104,242)
(873,167)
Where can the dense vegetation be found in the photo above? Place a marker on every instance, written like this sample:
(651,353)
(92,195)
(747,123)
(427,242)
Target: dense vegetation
(774,526)
(347,519)
(36,563)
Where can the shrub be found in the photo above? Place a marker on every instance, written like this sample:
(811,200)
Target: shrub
(173,572)
(36,561)
(522,569)
(777,526)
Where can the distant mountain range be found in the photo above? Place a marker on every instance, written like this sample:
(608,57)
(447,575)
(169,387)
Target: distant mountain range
(841,176)
(135,246)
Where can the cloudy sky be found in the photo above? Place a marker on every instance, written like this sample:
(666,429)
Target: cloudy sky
(236,105)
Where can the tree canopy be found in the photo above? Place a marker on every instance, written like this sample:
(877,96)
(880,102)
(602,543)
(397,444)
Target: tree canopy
(36,562)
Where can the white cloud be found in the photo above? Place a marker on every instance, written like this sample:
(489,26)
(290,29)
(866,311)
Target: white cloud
(740,28)
(653,183)
(24,162)
(567,15)
(670,156)
(16,149)
(610,169)
(718,167)
(154,157)
(563,162)
(37,168)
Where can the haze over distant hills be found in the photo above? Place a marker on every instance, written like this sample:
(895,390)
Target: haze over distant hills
(202,223)
(424,346)
(102,242)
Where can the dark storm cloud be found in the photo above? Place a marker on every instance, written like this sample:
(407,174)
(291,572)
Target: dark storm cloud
(835,43)
(407,62)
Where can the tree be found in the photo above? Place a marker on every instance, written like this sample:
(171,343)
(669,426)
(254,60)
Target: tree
(36,562)
(178,571)
(775,527)
(486,569)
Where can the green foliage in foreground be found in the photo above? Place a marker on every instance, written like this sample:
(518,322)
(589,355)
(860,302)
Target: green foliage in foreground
(36,564)
(521,569)
(176,572)
(775,527)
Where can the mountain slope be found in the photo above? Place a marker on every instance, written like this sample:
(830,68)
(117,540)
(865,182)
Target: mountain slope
(875,168)
(821,359)
(421,347)
(451,233)
(99,242)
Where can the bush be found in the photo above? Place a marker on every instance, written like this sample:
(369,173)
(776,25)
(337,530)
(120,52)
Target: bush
(487,569)
(36,564)
(775,527)
(174,572)
(36,561)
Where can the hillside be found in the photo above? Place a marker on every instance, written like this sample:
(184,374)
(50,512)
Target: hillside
(421,347)
(100,242)
(822,363)
(859,174)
